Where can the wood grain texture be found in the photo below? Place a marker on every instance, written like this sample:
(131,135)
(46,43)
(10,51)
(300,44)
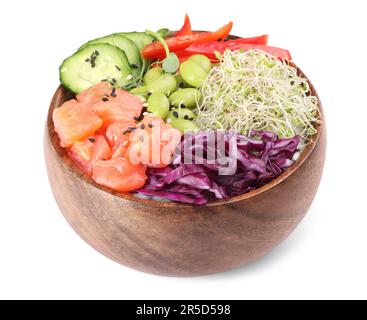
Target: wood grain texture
(176,239)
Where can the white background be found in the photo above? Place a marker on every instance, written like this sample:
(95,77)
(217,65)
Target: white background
(40,255)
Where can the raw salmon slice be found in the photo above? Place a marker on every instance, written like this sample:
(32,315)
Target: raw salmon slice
(75,121)
(117,136)
(121,108)
(85,153)
(111,105)
(153,142)
(119,174)
(95,93)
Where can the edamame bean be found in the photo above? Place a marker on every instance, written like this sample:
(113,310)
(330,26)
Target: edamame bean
(158,104)
(140,91)
(183,125)
(165,84)
(192,73)
(203,61)
(185,114)
(152,74)
(142,97)
(187,98)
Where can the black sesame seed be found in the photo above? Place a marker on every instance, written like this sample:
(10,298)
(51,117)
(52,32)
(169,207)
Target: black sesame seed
(104,80)
(92,140)
(150,125)
(141,116)
(118,68)
(136,118)
(96,53)
(175,114)
(134,66)
(132,128)
(219,40)
(191,119)
(181,85)
(186,117)
(114,80)
(142,126)
(149,94)
(104,99)
(113,93)
(87,60)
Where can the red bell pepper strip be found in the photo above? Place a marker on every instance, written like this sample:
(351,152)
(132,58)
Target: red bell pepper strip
(175,44)
(220,46)
(209,51)
(186,28)
(254,40)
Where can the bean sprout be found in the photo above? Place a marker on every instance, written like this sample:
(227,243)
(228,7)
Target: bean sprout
(256,91)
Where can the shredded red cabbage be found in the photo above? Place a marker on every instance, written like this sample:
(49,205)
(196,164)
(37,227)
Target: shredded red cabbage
(218,165)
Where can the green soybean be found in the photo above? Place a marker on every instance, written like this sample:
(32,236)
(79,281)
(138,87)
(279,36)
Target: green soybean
(142,97)
(152,74)
(202,61)
(192,73)
(158,104)
(139,90)
(188,97)
(185,114)
(183,125)
(164,84)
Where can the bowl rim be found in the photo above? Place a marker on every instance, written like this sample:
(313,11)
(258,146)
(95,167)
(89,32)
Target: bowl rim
(61,92)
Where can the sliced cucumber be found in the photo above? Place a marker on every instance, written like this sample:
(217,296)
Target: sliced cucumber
(141,39)
(93,64)
(125,44)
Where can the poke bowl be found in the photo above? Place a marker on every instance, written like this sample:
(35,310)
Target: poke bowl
(182,227)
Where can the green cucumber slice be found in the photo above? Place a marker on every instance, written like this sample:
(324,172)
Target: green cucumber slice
(128,46)
(141,39)
(78,72)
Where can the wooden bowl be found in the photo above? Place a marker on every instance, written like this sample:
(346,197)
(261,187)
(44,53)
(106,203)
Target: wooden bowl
(176,239)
